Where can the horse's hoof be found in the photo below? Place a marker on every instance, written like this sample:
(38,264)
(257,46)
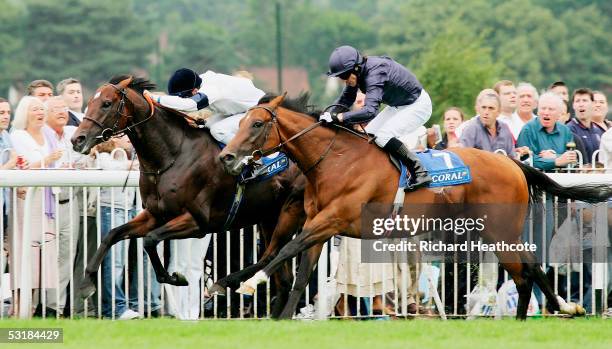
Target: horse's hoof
(179,279)
(245,289)
(87,290)
(580,311)
(217,289)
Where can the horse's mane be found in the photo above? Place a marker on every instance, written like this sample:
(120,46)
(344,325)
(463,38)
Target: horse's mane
(138,83)
(298,104)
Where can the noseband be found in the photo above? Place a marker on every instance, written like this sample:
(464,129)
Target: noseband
(108,133)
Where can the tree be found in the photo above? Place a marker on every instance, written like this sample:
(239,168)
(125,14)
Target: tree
(12,57)
(88,39)
(201,46)
(455,68)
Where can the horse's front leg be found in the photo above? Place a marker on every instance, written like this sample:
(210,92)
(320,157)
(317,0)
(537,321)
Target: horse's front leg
(317,231)
(181,227)
(137,227)
(291,218)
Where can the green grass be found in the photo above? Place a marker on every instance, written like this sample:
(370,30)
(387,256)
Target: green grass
(423,334)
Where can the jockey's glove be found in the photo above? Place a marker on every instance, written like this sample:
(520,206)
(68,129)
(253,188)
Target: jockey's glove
(329,117)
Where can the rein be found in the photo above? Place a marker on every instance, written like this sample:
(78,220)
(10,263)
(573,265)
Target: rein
(259,153)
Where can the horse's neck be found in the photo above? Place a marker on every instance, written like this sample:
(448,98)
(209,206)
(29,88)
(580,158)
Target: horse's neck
(313,150)
(158,141)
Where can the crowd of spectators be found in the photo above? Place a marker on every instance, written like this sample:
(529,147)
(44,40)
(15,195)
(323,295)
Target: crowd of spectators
(511,119)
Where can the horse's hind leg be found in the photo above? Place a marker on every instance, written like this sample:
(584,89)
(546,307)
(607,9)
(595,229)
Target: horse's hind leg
(137,227)
(181,227)
(511,261)
(542,281)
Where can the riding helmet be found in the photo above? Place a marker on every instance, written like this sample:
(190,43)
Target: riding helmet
(342,60)
(183,81)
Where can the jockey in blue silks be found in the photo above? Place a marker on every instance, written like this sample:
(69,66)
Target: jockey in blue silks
(382,80)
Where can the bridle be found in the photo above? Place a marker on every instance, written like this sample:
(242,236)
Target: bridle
(258,154)
(108,133)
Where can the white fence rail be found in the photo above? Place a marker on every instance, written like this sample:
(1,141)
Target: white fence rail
(76,181)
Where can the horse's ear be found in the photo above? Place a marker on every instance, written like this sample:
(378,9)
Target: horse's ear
(277,101)
(124,83)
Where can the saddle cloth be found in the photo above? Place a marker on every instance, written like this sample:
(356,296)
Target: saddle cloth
(444,167)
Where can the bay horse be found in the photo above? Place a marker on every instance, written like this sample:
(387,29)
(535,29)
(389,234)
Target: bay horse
(346,171)
(184,188)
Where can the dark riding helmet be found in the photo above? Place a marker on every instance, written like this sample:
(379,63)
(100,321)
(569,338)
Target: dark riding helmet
(343,60)
(182,82)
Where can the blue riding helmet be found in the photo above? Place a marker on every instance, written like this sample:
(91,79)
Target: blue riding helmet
(343,60)
(182,82)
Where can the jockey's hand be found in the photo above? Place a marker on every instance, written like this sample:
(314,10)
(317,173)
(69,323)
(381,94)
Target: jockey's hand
(329,118)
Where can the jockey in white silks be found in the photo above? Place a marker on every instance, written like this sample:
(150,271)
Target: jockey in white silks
(227,97)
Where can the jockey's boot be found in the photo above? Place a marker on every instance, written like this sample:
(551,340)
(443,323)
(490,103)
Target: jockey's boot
(419,175)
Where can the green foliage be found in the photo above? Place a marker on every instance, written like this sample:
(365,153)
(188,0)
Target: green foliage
(12,64)
(201,46)
(454,69)
(457,46)
(89,39)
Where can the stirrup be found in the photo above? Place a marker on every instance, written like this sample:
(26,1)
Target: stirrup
(422,183)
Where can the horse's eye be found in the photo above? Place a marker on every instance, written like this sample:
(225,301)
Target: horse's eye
(106,104)
(258,124)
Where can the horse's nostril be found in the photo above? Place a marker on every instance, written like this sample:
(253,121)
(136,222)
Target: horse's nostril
(228,158)
(80,139)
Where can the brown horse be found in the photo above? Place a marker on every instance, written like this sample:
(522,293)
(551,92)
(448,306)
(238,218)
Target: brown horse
(186,193)
(344,171)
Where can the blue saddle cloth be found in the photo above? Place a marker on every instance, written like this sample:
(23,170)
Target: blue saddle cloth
(444,167)
(271,165)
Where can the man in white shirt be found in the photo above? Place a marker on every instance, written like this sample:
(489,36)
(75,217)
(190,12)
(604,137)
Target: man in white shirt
(228,97)
(58,137)
(71,91)
(508,97)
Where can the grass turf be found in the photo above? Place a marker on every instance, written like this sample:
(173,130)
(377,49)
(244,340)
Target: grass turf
(426,334)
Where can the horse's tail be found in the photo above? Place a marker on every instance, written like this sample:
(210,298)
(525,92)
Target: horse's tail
(538,182)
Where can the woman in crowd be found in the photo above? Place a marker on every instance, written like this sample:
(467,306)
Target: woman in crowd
(452,118)
(30,144)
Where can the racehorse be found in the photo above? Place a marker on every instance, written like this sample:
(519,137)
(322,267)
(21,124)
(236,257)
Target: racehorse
(185,191)
(345,171)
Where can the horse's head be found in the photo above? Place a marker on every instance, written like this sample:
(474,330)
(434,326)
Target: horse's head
(113,108)
(255,136)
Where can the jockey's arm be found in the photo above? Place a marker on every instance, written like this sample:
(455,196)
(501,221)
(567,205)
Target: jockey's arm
(374,93)
(194,103)
(347,98)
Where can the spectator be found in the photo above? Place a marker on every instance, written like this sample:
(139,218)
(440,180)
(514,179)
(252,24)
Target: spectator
(71,91)
(486,133)
(600,110)
(606,157)
(29,141)
(8,158)
(460,128)
(57,135)
(527,102)
(507,96)
(581,126)
(453,117)
(560,88)
(41,89)
(546,137)
(115,209)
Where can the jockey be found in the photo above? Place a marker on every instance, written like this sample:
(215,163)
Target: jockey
(227,97)
(383,81)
